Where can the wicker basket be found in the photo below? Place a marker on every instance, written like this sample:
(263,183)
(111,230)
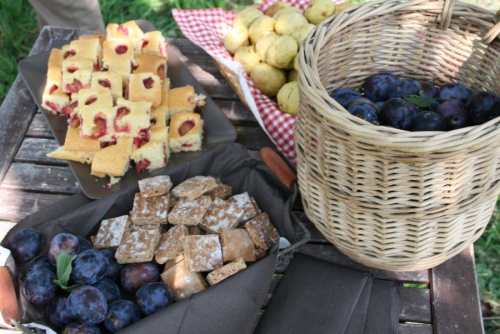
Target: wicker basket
(387,198)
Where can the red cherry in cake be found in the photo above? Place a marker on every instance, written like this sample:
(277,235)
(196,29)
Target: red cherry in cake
(148,83)
(105,83)
(145,43)
(52,106)
(161,71)
(70,53)
(99,129)
(75,86)
(74,121)
(90,101)
(122,112)
(140,142)
(144,133)
(104,144)
(53,89)
(121,49)
(97,67)
(153,122)
(142,165)
(67,110)
(134,65)
(186,127)
(72,69)
(123,30)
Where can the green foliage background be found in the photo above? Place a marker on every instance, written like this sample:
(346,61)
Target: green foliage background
(19,30)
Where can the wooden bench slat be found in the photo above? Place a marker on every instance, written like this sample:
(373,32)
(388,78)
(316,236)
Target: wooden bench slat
(415,329)
(415,305)
(34,150)
(15,205)
(452,283)
(39,178)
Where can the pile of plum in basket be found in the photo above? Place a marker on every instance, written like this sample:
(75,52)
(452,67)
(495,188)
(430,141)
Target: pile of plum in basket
(407,104)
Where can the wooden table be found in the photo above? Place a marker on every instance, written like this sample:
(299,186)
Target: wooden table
(31,181)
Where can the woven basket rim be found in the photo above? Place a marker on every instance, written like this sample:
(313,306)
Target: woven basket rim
(418,143)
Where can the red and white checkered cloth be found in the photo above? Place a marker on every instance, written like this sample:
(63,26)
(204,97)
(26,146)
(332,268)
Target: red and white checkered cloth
(207,28)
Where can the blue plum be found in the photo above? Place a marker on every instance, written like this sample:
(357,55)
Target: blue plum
(402,87)
(26,244)
(483,107)
(84,244)
(455,114)
(109,289)
(345,96)
(154,296)
(66,242)
(429,90)
(77,328)
(454,91)
(135,275)
(397,113)
(428,121)
(56,311)
(364,111)
(376,87)
(114,268)
(121,313)
(39,286)
(87,305)
(41,261)
(89,267)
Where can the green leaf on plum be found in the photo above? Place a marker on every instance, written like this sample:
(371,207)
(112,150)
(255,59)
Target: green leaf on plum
(419,100)
(64,268)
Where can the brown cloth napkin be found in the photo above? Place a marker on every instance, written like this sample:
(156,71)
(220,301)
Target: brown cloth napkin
(317,296)
(231,306)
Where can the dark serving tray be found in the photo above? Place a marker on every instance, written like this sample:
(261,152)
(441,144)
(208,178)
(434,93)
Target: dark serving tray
(217,129)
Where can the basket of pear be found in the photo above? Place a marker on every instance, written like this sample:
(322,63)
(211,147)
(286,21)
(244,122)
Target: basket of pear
(266,44)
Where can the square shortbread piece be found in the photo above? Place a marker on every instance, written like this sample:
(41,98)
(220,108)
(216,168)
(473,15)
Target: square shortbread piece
(155,186)
(171,243)
(189,212)
(194,187)
(183,282)
(236,243)
(228,270)
(152,210)
(220,215)
(244,202)
(111,232)
(223,191)
(262,232)
(203,253)
(138,246)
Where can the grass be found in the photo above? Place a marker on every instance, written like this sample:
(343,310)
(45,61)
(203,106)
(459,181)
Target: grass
(19,30)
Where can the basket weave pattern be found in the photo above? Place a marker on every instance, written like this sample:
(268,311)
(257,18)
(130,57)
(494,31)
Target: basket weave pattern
(387,198)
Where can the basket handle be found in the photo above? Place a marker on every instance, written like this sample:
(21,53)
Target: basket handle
(8,300)
(278,166)
(446,14)
(493,33)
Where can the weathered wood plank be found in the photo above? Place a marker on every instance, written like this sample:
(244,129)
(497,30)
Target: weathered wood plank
(330,253)
(415,305)
(15,205)
(16,113)
(415,329)
(456,306)
(39,178)
(35,150)
(39,128)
